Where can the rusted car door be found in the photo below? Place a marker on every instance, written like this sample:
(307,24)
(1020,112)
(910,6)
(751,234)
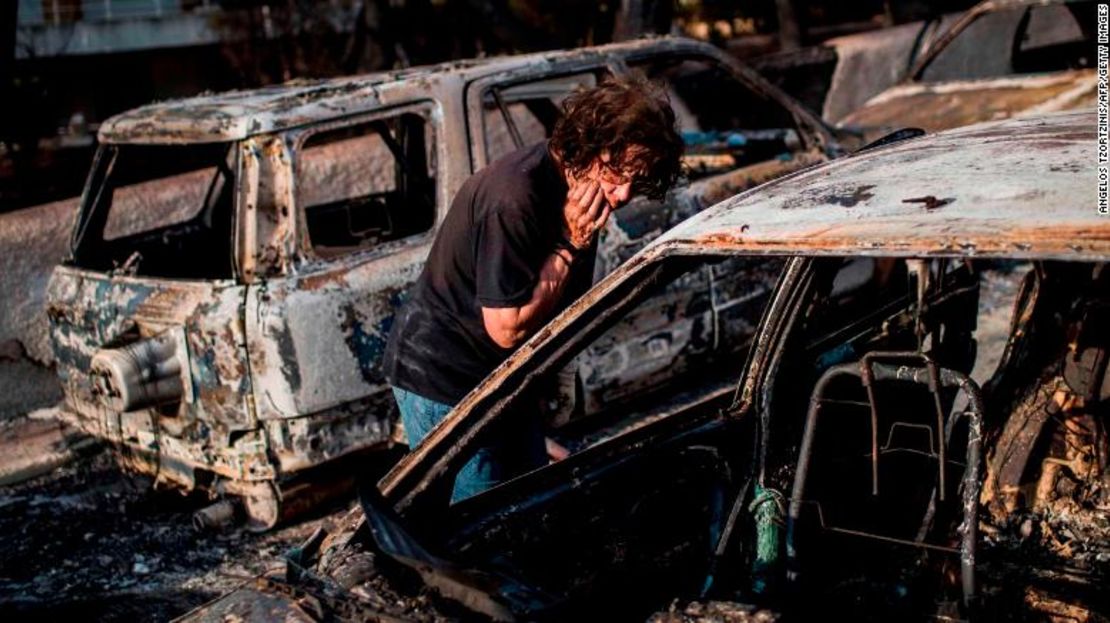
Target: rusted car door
(153,254)
(357,225)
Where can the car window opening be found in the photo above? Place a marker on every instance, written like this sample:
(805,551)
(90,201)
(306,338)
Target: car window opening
(1020,40)
(523,114)
(367,184)
(160,211)
(724,123)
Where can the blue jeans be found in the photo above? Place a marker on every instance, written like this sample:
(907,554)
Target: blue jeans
(519,448)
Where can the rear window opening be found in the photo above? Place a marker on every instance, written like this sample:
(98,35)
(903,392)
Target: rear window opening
(159,211)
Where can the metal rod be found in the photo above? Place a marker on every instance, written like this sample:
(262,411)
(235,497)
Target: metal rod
(970,525)
(890,539)
(896,425)
(854,403)
(804,458)
(865,376)
(934,387)
(518,141)
(725,537)
(872,535)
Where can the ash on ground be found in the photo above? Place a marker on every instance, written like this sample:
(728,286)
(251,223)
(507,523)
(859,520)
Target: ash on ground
(90,543)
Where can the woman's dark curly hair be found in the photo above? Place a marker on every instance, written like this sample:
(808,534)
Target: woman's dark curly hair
(613,116)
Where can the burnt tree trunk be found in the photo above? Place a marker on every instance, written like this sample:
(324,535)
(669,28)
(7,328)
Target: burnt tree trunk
(636,18)
(8,16)
(630,20)
(790,35)
(888,14)
(8,23)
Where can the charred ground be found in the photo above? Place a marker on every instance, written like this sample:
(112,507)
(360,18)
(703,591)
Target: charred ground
(89,543)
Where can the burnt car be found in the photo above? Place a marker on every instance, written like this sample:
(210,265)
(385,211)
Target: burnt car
(237,258)
(842,462)
(1000,59)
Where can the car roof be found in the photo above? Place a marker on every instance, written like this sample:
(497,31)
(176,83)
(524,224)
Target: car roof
(1022,188)
(235,115)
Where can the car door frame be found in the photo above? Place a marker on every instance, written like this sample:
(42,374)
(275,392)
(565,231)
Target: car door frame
(348,413)
(418,483)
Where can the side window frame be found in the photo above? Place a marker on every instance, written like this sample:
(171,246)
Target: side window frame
(476,92)
(305,250)
(916,74)
(802,125)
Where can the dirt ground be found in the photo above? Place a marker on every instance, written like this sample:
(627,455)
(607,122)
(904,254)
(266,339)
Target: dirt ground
(87,542)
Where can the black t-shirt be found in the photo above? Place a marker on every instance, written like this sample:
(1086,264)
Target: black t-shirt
(502,226)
